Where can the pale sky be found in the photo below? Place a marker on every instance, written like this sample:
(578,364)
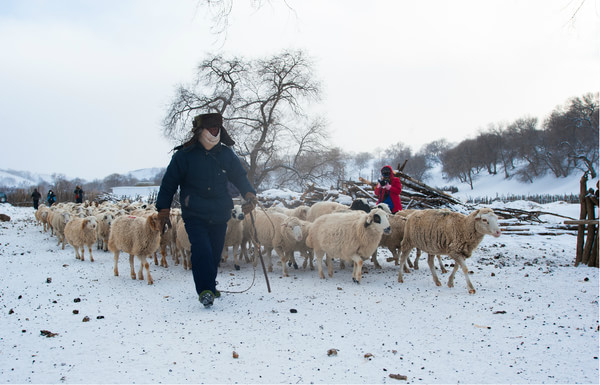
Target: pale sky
(84,84)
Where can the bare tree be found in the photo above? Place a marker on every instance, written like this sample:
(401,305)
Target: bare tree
(262,102)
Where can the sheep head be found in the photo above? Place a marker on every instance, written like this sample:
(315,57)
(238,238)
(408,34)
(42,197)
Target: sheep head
(89,222)
(237,213)
(379,218)
(153,222)
(294,227)
(486,222)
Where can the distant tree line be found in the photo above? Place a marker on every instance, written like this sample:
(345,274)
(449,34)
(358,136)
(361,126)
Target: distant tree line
(566,142)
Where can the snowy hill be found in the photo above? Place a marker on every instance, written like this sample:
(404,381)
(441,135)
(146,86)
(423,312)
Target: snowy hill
(486,185)
(24,179)
(12,178)
(146,173)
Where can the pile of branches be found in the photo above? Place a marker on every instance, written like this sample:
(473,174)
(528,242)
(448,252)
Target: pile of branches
(415,194)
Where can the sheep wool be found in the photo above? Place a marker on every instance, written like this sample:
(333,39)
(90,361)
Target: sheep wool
(350,236)
(138,236)
(443,232)
(81,232)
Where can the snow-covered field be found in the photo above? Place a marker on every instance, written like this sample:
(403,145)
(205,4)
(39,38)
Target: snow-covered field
(534,319)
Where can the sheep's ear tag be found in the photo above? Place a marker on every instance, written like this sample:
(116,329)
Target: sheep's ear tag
(367,223)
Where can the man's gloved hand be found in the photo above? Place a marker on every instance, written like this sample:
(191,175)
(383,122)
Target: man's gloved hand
(164,216)
(387,186)
(250,204)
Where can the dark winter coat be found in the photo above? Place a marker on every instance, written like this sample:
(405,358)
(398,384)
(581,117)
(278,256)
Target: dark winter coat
(202,176)
(50,198)
(393,193)
(78,195)
(36,196)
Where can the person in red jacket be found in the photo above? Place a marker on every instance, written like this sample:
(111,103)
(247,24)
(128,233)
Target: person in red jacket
(388,189)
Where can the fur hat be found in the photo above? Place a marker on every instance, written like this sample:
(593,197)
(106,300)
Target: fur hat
(212,120)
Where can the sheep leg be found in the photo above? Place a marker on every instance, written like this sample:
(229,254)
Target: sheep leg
(444,271)
(145,265)
(268,252)
(463,265)
(284,259)
(319,256)
(163,256)
(132,273)
(140,273)
(77,256)
(451,278)
(291,261)
(116,269)
(155,259)
(357,270)
(405,254)
(236,257)
(308,258)
(416,263)
(432,268)
(91,255)
(184,259)
(329,263)
(375,261)
(225,254)
(82,253)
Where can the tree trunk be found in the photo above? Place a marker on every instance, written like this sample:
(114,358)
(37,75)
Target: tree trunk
(591,232)
(582,215)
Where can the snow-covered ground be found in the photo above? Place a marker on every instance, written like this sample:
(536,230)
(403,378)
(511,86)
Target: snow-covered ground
(534,318)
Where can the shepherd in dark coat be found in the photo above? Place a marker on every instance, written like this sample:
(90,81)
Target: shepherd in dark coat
(35,195)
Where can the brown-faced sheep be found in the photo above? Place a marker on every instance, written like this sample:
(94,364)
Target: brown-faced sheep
(138,236)
(442,232)
(81,232)
(352,236)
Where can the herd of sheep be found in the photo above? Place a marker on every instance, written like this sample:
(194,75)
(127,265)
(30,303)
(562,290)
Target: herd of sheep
(330,230)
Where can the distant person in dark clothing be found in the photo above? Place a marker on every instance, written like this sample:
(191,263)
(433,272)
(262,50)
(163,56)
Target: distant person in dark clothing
(78,194)
(35,195)
(50,198)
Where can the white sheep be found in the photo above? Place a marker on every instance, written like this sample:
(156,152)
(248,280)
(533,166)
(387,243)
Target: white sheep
(184,247)
(234,235)
(350,236)
(41,215)
(325,207)
(273,231)
(81,232)
(291,237)
(138,236)
(103,231)
(300,212)
(442,232)
(59,221)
